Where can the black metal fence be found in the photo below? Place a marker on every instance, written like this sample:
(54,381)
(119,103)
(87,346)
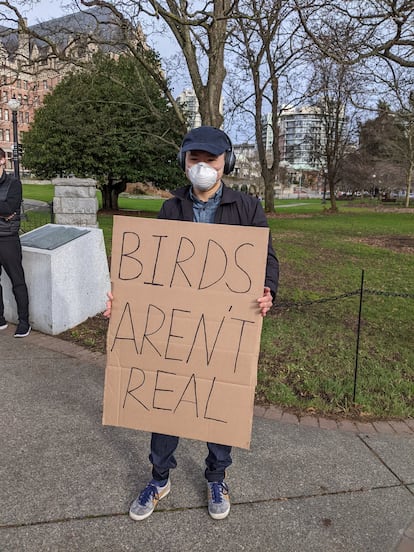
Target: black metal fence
(35,214)
(361,292)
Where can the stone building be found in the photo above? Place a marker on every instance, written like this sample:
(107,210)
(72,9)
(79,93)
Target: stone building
(33,60)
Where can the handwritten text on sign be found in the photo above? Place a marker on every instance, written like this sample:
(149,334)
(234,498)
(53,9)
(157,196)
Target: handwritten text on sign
(184,333)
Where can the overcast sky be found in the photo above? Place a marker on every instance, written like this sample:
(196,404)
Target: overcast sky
(42,11)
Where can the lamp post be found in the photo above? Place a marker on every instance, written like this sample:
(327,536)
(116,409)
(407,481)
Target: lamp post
(374,191)
(284,177)
(325,177)
(14,105)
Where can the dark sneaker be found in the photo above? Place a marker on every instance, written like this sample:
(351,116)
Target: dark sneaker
(23,329)
(3,323)
(145,504)
(218,499)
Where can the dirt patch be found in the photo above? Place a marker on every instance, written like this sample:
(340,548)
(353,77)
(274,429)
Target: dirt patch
(280,215)
(126,213)
(400,244)
(402,210)
(90,334)
(140,188)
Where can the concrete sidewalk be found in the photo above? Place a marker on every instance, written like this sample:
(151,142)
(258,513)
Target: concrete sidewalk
(67,481)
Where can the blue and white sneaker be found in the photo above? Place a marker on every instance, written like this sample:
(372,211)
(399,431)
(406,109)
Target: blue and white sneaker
(146,502)
(218,499)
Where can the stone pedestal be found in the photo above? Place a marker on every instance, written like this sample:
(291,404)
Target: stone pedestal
(75,201)
(67,277)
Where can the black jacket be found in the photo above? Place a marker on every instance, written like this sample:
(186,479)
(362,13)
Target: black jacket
(235,208)
(10,202)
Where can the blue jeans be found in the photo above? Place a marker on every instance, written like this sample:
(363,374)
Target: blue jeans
(162,458)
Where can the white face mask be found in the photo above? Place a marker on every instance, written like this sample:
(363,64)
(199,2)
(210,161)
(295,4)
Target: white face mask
(202,176)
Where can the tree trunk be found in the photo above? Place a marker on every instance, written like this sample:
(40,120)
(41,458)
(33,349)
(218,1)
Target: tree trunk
(408,185)
(181,22)
(334,207)
(410,169)
(110,193)
(269,196)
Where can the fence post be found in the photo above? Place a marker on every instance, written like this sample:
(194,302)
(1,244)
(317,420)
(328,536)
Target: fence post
(52,213)
(361,294)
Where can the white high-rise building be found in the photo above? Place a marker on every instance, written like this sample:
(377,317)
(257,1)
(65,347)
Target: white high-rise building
(189,104)
(267,130)
(301,136)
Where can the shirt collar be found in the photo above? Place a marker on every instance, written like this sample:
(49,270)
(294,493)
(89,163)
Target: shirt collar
(214,199)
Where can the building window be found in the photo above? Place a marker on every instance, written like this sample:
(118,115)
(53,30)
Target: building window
(26,117)
(6,114)
(5,96)
(18,83)
(1,135)
(20,116)
(7,131)
(25,85)
(45,85)
(1,113)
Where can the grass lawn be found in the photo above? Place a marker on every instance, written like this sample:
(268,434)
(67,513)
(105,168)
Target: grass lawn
(308,352)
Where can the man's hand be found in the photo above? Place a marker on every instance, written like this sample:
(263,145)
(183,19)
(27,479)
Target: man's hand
(265,302)
(108,311)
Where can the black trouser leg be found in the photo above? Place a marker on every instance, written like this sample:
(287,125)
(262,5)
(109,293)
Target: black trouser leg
(218,459)
(1,298)
(162,455)
(11,261)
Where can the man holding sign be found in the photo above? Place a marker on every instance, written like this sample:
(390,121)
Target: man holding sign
(206,155)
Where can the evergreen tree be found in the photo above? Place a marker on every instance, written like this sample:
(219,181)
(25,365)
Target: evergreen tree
(110,123)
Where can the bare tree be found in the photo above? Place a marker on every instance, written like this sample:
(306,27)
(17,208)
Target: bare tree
(263,44)
(405,146)
(201,34)
(389,141)
(357,172)
(332,89)
(379,28)
(398,86)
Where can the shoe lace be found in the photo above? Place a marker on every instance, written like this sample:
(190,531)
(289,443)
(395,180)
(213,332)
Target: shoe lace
(217,490)
(147,494)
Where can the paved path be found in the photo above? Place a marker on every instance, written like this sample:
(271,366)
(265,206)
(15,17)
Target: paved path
(67,481)
(35,205)
(301,204)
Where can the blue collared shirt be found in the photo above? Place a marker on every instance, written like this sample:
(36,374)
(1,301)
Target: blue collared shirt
(205,211)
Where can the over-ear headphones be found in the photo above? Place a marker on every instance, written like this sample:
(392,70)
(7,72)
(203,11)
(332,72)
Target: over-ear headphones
(229,159)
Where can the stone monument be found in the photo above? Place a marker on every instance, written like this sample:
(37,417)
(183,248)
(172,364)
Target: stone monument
(67,277)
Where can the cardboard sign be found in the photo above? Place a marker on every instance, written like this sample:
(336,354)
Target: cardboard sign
(184,334)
